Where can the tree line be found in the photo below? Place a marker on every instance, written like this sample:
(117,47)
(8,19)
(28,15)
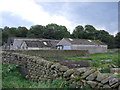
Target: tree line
(54,31)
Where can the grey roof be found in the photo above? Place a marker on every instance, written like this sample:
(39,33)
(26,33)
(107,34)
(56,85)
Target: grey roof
(42,43)
(39,44)
(11,39)
(53,42)
(83,42)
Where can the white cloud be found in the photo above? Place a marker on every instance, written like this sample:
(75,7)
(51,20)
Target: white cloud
(29,10)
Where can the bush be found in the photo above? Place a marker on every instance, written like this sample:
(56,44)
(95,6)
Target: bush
(61,83)
(8,68)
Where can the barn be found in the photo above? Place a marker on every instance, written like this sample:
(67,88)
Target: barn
(39,44)
(93,46)
(30,44)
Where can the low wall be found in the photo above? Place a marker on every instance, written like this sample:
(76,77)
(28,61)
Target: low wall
(91,48)
(113,50)
(52,53)
(38,69)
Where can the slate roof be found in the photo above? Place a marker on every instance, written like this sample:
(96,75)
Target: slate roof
(84,42)
(11,39)
(39,44)
(42,43)
(33,42)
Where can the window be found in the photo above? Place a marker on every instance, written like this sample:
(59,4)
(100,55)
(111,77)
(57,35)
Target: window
(89,40)
(70,39)
(45,43)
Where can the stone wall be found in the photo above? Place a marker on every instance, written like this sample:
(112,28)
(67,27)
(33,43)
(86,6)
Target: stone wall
(38,69)
(52,53)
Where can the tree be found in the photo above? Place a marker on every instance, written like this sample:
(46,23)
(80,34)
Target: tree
(5,34)
(36,31)
(105,37)
(78,32)
(54,31)
(90,32)
(117,40)
(1,36)
(21,31)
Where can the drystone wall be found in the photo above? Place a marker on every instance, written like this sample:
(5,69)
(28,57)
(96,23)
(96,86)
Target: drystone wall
(52,53)
(38,69)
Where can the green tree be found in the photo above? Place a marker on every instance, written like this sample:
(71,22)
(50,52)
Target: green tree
(117,40)
(78,32)
(5,34)
(1,36)
(105,37)
(36,31)
(21,31)
(90,32)
(54,31)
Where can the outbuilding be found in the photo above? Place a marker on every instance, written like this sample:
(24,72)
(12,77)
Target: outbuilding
(93,46)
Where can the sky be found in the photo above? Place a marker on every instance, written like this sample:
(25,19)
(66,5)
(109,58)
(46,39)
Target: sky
(102,15)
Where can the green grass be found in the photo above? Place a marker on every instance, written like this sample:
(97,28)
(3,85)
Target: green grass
(118,75)
(12,78)
(99,56)
(98,59)
(77,58)
(103,56)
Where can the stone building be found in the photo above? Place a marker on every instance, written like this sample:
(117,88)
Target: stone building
(93,46)
(30,44)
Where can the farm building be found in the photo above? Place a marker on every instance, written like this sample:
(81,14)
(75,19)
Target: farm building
(92,46)
(39,44)
(30,44)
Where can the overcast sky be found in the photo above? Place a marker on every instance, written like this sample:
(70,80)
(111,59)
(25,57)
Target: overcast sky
(102,15)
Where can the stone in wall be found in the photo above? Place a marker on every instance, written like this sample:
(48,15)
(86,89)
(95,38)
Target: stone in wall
(63,68)
(108,78)
(68,73)
(102,76)
(92,76)
(93,84)
(88,72)
(115,70)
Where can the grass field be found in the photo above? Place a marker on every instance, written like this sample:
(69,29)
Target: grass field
(100,58)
